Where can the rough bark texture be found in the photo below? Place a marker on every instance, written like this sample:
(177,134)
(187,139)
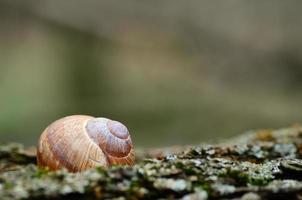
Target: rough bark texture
(257,165)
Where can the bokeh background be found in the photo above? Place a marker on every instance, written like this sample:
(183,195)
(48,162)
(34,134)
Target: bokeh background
(175,72)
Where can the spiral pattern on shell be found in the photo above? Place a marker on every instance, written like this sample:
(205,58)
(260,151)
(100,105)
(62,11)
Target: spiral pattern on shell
(80,142)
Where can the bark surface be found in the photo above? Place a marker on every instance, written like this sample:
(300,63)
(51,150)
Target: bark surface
(262,164)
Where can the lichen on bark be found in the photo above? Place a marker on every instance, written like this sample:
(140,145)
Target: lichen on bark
(256,165)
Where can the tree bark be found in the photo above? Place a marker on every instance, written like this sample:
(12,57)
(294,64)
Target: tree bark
(256,165)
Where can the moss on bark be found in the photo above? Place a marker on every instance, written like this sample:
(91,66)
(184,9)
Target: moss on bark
(257,165)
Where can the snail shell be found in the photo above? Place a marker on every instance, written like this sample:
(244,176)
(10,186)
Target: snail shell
(80,142)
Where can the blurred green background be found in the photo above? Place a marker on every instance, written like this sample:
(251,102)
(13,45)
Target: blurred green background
(175,72)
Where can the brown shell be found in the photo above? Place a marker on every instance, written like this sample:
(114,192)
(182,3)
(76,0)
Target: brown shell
(80,142)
